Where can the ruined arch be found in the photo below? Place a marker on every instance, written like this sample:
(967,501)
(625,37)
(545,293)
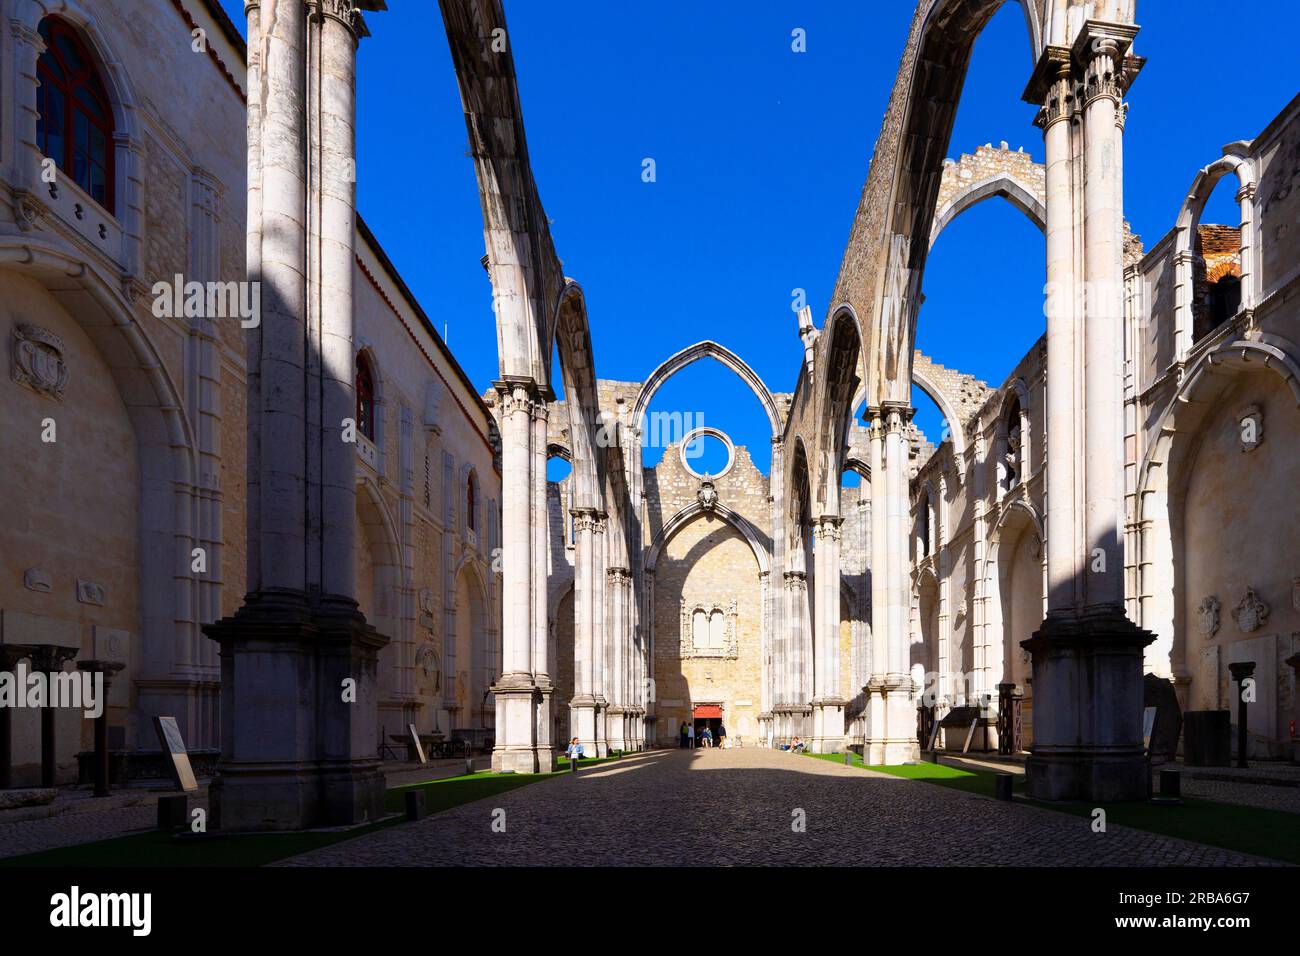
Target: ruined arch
(885,259)
(693,353)
(1235,160)
(842,379)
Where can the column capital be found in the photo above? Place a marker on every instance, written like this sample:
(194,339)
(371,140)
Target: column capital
(518,394)
(1102,60)
(827,527)
(618,574)
(896,415)
(1049,86)
(346,12)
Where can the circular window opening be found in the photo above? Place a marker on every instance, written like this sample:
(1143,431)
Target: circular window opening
(707,453)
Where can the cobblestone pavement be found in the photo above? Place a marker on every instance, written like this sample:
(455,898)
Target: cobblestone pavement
(1246,794)
(79,818)
(738,807)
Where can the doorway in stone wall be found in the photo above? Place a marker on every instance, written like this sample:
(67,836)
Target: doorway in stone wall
(710,716)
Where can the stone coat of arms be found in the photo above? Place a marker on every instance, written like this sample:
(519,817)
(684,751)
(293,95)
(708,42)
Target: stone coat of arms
(38,360)
(708,495)
(1251,613)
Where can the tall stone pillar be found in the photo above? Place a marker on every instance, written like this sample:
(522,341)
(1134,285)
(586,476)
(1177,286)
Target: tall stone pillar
(583,706)
(874,748)
(543,664)
(600,629)
(616,724)
(1087,656)
(516,747)
(900,745)
(828,703)
(298,660)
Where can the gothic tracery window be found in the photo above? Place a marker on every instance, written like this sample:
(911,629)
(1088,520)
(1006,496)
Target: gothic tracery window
(74,123)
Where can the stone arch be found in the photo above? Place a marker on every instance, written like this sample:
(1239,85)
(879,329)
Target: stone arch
(172,646)
(387,582)
(753,537)
(885,259)
(1162,482)
(1235,160)
(927,617)
(926,375)
(990,172)
(366,352)
(475,667)
(1001,646)
(842,379)
(572,337)
(693,353)
(1015,395)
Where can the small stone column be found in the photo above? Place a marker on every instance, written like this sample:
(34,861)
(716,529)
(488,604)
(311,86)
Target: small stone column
(107,669)
(10,655)
(601,657)
(48,659)
(1294,663)
(874,751)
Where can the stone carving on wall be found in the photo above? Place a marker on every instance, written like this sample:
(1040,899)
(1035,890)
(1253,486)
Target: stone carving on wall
(38,360)
(88,592)
(34,579)
(426,658)
(708,629)
(1250,422)
(708,495)
(1250,613)
(1208,613)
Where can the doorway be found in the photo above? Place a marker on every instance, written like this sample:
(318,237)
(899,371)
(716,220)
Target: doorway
(707,716)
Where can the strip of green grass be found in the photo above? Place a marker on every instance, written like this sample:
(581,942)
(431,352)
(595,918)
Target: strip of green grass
(1274,834)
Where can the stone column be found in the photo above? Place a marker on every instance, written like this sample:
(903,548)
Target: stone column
(900,744)
(298,660)
(618,699)
(542,662)
(1294,663)
(1087,656)
(9,658)
(516,742)
(583,707)
(874,750)
(777,626)
(796,589)
(828,703)
(48,659)
(600,629)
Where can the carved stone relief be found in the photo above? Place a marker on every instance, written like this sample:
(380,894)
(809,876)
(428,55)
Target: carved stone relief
(38,361)
(1250,613)
(1208,614)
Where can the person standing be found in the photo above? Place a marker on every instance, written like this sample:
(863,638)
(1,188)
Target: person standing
(690,736)
(722,735)
(681,733)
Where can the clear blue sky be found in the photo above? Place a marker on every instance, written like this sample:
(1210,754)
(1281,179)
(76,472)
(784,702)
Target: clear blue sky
(761,154)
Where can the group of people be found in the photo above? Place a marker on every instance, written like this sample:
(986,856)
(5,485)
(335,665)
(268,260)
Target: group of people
(706,737)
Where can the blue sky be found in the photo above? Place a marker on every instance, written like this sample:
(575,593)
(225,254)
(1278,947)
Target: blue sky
(760,155)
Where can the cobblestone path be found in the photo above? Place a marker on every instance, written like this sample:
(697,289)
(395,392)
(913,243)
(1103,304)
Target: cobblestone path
(740,807)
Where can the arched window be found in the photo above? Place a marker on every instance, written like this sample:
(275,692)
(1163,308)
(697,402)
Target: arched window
(923,527)
(471,503)
(365,397)
(1012,453)
(74,124)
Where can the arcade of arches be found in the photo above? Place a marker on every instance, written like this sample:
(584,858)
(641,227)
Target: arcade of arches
(1113,519)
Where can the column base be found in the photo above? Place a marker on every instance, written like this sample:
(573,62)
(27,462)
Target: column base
(828,726)
(584,718)
(891,728)
(516,749)
(299,744)
(616,729)
(1088,708)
